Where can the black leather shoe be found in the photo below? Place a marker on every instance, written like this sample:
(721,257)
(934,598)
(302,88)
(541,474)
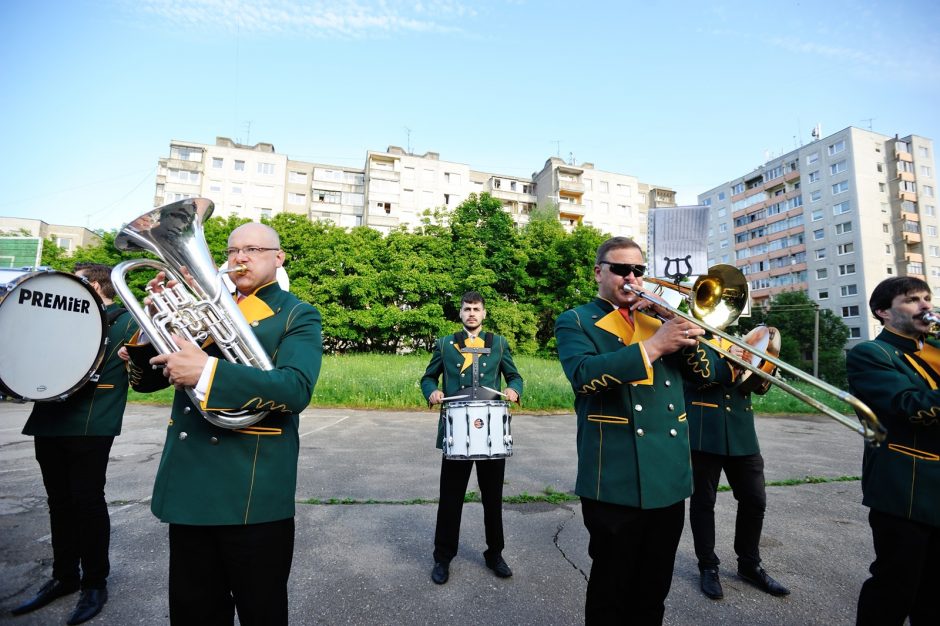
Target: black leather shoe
(46,594)
(500,568)
(762,580)
(711,585)
(89,604)
(440,573)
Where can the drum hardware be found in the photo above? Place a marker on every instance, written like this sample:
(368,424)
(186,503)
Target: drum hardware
(717,300)
(197,308)
(55,334)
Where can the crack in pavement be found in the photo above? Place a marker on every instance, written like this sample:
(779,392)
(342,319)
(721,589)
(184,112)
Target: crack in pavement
(561,527)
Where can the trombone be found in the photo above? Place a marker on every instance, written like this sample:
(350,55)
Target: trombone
(716,299)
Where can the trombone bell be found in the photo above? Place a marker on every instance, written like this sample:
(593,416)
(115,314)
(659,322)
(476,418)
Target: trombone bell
(719,297)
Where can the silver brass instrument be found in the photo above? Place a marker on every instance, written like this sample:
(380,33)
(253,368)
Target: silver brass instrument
(932,318)
(199,306)
(716,300)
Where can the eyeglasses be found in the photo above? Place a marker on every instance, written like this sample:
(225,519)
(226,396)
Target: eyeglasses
(250,251)
(625,269)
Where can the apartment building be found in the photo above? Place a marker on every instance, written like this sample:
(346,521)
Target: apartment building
(69,238)
(395,188)
(832,219)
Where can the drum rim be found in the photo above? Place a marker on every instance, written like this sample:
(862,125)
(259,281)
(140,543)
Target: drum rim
(99,357)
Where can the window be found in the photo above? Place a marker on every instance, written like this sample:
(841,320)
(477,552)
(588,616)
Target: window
(721,196)
(848,290)
(915,268)
(930,210)
(928,190)
(736,189)
(816,215)
(266,168)
(265,213)
(931,231)
(820,254)
(723,243)
(923,152)
(934,250)
(855,332)
(881,187)
(822,273)
(844,227)
(239,166)
(880,167)
(63,242)
(818,234)
(604,186)
(850,311)
(814,176)
(236,189)
(925,170)
(327,196)
(296,198)
(812,158)
(841,187)
(837,147)
(185,154)
(217,162)
(888,248)
(723,227)
(822,294)
(183,176)
(846,248)
(297,177)
(842,207)
(837,168)
(847,270)
(723,211)
(815,196)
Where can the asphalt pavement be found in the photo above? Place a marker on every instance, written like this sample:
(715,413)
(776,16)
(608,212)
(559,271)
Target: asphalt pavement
(368,562)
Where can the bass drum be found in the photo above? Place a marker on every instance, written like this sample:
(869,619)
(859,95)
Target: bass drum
(53,333)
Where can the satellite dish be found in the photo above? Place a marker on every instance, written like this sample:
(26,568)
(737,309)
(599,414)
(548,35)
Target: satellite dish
(280,275)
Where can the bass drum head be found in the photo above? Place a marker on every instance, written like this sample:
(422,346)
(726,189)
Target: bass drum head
(53,330)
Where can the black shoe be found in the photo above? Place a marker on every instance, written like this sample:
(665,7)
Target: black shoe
(89,604)
(499,567)
(762,580)
(46,594)
(440,573)
(711,585)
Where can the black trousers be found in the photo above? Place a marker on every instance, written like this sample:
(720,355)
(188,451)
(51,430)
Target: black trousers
(633,552)
(216,570)
(454,478)
(74,471)
(746,477)
(905,579)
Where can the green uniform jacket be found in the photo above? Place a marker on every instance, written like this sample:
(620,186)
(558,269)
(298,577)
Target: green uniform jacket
(633,440)
(446,360)
(216,476)
(97,408)
(895,379)
(721,419)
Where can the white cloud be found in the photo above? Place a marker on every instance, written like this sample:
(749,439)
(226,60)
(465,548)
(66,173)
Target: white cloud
(341,18)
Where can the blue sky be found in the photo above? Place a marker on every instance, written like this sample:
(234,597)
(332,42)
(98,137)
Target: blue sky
(681,94)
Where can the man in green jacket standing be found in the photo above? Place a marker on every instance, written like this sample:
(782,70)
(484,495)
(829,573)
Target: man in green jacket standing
(898,376)
(228,494)
(73,439)
(634,472)
(447,361)
(723,437)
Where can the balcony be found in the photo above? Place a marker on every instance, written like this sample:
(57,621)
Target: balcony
(907,195)
(571,186)
(904,156)
(383,174)
(572,209)
(910,238)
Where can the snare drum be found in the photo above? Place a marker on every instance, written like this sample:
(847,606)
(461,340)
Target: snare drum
(53,332)
(477,429)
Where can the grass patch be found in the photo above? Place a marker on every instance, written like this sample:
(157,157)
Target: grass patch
(806,480)
(391,382)
(549,496)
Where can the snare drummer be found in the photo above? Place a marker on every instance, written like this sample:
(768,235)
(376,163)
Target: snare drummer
(72,440)
(448,361)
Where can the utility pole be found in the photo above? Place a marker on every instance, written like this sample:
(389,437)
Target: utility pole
(816,342)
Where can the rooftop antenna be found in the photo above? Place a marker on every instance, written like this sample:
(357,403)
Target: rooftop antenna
(557,143)
(571,158)
(408,134)
(869,120)
(817,132)
(248,133)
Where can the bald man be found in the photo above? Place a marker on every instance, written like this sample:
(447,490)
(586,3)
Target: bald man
(228,495)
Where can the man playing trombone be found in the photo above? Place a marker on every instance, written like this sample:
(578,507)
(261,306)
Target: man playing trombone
(898,376)
(634,472)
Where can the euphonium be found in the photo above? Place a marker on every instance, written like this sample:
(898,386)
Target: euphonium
(932,318)
(199,306)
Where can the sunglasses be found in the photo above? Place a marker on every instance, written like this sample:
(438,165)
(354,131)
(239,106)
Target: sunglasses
(625,269)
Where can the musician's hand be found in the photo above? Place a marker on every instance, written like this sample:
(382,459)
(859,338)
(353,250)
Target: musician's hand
(182,368)
(436,397)
(511,394)
(122,354)
(672,336)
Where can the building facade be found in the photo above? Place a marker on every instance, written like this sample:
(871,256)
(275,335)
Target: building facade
(69,238)
(395,188)
(832,219)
